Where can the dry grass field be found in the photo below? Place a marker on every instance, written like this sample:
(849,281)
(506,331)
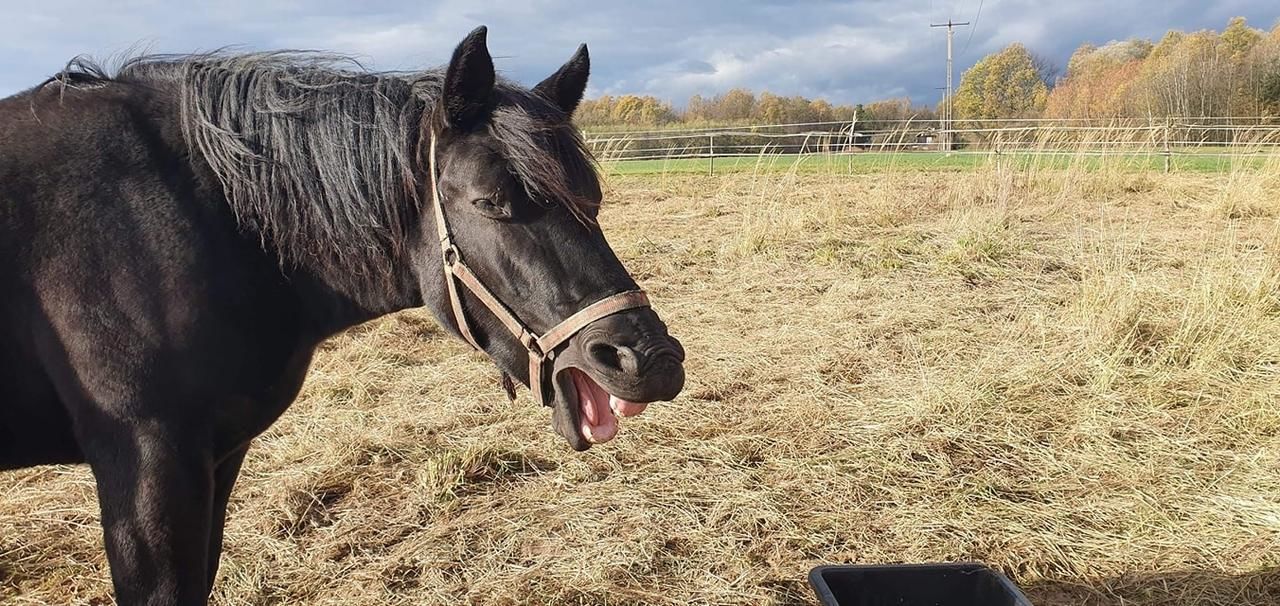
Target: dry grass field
(1070,374)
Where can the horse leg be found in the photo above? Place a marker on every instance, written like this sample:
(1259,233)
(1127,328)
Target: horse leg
(224,479)
(156,491)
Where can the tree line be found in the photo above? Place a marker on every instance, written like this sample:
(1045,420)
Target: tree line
(740,106)
(1235,72)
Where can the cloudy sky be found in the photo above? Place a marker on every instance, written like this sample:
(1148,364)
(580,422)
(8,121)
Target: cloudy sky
(849,51)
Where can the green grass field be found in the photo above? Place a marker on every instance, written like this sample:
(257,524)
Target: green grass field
(926,161)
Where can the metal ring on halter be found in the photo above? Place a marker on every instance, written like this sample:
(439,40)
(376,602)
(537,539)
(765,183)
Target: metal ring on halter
(450,255)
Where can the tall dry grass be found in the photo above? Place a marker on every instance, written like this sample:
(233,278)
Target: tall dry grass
(1068,373)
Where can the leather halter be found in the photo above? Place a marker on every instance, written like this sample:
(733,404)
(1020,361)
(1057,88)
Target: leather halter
(542,348)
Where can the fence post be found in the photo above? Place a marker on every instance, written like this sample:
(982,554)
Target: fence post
(1168,152)
(711,155)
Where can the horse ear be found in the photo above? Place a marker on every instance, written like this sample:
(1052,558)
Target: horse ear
(566,86)
(468,82)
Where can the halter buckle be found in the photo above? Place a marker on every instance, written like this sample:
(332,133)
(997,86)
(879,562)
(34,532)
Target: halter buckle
(530,342)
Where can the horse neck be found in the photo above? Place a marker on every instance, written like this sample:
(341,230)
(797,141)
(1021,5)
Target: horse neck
(327,309)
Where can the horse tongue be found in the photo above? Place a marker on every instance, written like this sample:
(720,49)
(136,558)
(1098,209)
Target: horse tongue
(598,423)
(626,408)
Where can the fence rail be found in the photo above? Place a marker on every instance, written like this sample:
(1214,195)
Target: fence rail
(1219,137)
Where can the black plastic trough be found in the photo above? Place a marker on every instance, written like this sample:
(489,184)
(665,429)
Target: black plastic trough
(914,585)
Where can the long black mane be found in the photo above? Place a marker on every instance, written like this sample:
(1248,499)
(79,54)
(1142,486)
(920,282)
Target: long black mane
(321,159)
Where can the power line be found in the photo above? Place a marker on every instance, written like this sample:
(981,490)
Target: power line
(973,29)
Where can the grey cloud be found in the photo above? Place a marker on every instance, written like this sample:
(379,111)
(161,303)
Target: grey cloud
(694,66)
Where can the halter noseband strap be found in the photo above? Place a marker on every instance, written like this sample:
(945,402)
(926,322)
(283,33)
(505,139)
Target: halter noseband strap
(542,348)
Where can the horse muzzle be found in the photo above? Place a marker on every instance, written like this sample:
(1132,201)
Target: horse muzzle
(612,369)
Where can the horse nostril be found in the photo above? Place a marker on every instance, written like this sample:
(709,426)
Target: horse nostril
(615,357)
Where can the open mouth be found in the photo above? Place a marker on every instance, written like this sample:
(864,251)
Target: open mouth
(590,412)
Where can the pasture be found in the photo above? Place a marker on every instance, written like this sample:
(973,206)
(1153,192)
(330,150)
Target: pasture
(1198,160)
(1068,372)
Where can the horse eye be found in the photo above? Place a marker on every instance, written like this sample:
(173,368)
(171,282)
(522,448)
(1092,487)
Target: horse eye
(491,207)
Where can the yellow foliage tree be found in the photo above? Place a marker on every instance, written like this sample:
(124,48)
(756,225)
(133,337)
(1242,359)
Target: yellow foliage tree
(769,109)
(643,111)
(1005,84)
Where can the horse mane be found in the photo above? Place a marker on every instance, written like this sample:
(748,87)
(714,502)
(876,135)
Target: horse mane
(319,157)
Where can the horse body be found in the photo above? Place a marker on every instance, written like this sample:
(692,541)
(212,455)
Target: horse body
(141,331)
(117,289)
(178,239)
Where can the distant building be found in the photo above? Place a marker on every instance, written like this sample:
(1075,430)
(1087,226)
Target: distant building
(927,139)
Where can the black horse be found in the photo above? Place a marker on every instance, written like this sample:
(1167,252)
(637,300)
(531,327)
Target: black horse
(178,237)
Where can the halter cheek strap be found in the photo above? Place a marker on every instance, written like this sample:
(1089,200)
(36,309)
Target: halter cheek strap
(541,348)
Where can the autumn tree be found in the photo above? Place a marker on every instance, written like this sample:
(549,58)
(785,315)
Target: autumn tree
(1005,84)
(1266,56)
(1204,73)
(822,111)
(1099,81)
(628,110)
(1238,42)
(769,109)
(1191,79)
(799,110)
(1238,39)
(593,112)
(734,105)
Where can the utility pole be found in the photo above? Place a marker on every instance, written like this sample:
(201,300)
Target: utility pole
(942,117)
(947,115)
